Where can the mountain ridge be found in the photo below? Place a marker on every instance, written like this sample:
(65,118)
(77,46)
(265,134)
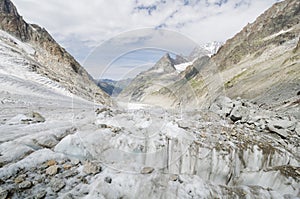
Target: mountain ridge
(258,63)
(51,59)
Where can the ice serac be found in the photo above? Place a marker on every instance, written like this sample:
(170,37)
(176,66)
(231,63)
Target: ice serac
(51,60)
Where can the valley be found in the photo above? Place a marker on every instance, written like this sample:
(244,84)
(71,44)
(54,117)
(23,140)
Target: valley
(219,123)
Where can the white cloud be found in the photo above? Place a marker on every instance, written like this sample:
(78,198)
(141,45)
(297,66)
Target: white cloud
(79,25)
(99,20)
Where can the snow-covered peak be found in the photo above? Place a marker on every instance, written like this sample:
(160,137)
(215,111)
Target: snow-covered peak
(212,47)
(207,49)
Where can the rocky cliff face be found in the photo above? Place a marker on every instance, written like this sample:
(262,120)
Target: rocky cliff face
(50,59)
(276,26)
(261,62)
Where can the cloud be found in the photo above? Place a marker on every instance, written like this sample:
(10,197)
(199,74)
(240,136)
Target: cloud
(80,26)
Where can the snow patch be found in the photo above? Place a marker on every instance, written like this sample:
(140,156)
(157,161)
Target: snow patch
(183,66)
(277,34)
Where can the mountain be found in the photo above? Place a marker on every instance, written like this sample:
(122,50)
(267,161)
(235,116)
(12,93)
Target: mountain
(48,58)
(152,85)
(207,49)
(112,87)
(144,87)
(55,144)
(259,63)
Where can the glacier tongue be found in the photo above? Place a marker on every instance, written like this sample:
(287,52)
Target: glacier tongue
(144,151)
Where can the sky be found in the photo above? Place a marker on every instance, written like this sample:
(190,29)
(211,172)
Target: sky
(119,38)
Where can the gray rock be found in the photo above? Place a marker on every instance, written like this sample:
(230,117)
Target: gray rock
(91,168)
(70,173)
(147,170)
(52,170)
(108,180)
(239,113)
(48,141)
(37,117)
(20,179)
(67,166)
(222,106)
(282,124)
(3,193)
(281,132)
(33,117)
(174,177)
(103,126)
(57,184)
(75,162)
(25,185)
(41,195)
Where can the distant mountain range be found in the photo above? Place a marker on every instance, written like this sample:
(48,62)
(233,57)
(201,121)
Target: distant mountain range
(166,64)
(113,87)
(260,63)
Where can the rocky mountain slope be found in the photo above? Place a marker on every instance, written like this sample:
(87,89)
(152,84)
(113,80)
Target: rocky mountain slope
(112,87)
(152,85)
(47,58)
(260,63)
(143,88)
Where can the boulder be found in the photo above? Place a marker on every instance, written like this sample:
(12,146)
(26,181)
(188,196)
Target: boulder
(239,113)
(75,162)
(48,141)
(52,170)
(37,117)
(33,117)
(108,180)
(51,163)
(57,184)
(147,170)
(67,166)
(222,106)
(25,185)
(281,127)
(20,179)
(91,168)
(282,124)
(173,177)
(281,132)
